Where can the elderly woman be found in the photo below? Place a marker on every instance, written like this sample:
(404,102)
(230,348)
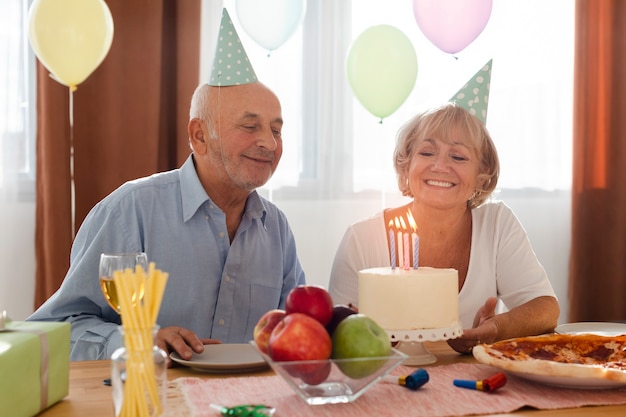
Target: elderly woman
(447,163)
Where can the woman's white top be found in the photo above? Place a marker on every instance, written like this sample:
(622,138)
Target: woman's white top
(502,262)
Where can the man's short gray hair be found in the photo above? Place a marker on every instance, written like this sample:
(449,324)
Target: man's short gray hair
(200,108)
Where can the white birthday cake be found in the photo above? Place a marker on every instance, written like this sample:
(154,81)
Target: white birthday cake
(411,299)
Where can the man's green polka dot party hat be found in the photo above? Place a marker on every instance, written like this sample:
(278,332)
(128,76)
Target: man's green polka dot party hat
(230,65)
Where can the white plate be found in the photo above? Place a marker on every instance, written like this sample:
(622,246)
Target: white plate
(223,358)
(569,382)
(599,328)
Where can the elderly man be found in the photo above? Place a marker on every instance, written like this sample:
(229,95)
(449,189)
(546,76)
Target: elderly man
(230,254)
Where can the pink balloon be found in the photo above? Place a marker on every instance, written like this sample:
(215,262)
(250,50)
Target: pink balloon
(451,25)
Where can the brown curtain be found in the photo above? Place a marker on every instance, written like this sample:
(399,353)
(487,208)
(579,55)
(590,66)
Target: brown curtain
(129,120)
(597,286)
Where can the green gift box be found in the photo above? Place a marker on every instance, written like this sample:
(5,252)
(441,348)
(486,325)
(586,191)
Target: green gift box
(34,366)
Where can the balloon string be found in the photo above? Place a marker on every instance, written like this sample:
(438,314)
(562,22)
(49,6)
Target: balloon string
(72,185)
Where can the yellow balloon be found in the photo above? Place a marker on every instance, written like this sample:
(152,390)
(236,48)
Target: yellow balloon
(382,69)
(70,37)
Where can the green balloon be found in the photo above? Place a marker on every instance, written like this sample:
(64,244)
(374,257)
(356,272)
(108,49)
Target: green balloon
(382,68)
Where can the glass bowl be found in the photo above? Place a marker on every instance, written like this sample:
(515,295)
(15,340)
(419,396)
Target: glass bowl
(334,380)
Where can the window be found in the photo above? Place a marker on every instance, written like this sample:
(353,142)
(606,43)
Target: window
(335,148)
(531,87)
(17,161)
(17,108)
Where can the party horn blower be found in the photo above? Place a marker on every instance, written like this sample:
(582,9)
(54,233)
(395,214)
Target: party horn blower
(250,410)
(490,384)
(413,381)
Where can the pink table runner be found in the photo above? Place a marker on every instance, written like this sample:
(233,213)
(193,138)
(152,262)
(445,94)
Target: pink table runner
(191,397)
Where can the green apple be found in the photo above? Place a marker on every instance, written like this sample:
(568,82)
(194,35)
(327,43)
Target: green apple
(358,336)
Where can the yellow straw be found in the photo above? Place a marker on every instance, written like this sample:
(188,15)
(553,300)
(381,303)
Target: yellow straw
(140,301)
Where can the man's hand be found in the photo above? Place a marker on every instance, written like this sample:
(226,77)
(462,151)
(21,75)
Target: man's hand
(181,340)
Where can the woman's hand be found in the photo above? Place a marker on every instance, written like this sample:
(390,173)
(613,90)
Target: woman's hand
(485,329)
(183,341)
(537,316)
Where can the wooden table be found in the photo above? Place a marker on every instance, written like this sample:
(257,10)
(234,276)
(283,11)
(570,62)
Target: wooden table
(90,397)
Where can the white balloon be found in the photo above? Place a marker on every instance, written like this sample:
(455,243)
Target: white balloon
(270,22)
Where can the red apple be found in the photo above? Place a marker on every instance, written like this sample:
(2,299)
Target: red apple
(311,300)
(299,337)
(317,375)
(264,327)
(340,312)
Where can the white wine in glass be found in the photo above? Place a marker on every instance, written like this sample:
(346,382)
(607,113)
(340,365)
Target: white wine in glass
(111,262)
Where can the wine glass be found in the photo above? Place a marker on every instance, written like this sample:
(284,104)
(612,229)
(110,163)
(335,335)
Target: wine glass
(111,262)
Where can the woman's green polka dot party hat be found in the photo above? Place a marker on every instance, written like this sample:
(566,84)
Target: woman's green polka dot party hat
(474,96)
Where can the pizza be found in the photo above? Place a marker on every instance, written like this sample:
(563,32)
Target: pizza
(562,355)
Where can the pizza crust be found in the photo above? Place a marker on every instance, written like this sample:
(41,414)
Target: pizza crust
(520,362)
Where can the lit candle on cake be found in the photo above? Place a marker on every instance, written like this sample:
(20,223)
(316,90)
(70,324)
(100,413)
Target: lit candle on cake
(405,244)
(415,239)
(392,245)
(399,241)
(416,250)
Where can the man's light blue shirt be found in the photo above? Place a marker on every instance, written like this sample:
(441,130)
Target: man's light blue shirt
(216,288)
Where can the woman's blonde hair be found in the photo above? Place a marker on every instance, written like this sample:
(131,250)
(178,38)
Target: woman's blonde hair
(446,123)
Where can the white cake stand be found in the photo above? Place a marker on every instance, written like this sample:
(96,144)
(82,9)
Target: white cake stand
(411,342)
